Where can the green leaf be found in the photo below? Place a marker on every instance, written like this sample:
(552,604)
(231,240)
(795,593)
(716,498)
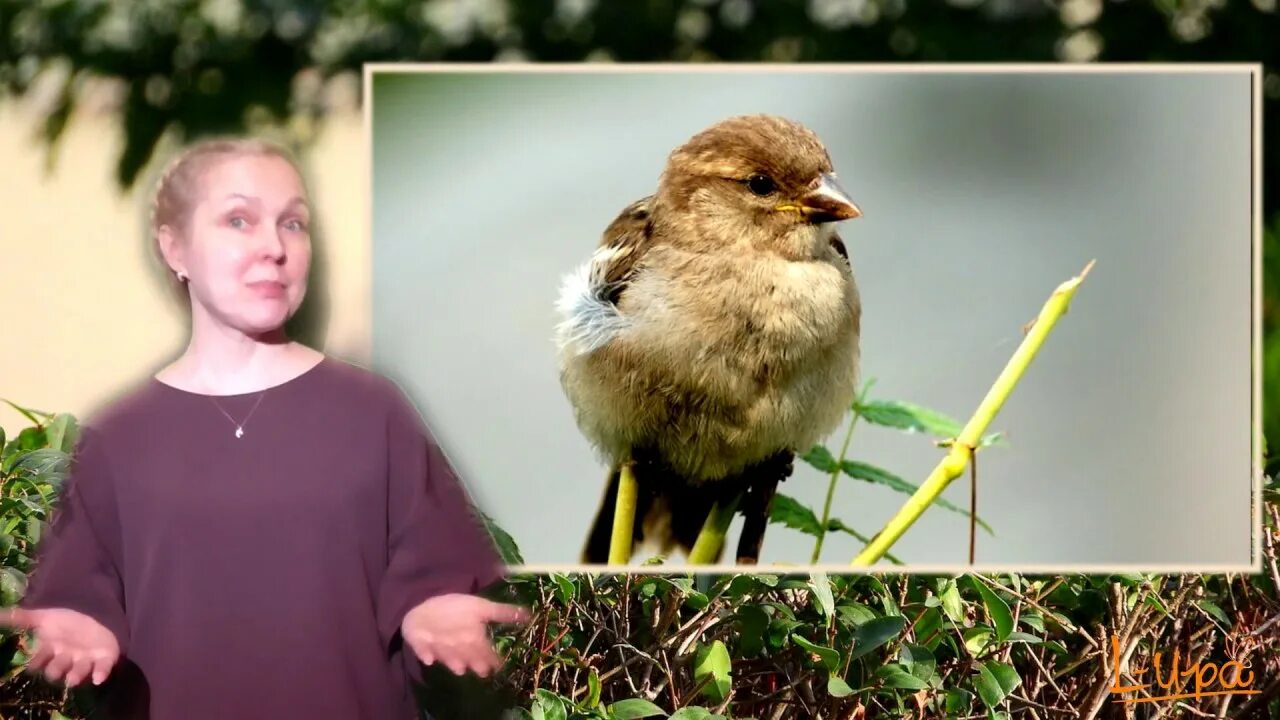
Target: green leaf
(1024,637)
(880,476)
(713,661)
(855,613)
(789,512)
(634,708)
(506,544)
(62,432)
(977,639)
(952,604)
(914,418)
(593,688)
(564,588)
(994,682)
(997,608)
(895,676)
(753,622)
(548,706)
(1212,608)
(958,700)
(13,586)
(836,687)
(821,588)
(29,439)
(820,458)
(874,633)
(694,712)
(829,657)
(918,661)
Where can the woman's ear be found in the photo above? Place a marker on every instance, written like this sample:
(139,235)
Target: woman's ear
(171,250)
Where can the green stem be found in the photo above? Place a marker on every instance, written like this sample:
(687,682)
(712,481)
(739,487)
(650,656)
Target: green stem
(962,448)
(706,549)
(624,516)
(835,473)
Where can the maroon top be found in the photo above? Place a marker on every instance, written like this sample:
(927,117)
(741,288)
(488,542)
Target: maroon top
(266,575)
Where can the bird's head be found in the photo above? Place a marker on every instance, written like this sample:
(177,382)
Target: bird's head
(759,179)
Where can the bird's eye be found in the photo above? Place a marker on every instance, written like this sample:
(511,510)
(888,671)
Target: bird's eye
(761,185)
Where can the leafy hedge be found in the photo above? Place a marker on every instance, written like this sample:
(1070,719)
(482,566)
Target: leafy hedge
(761,645)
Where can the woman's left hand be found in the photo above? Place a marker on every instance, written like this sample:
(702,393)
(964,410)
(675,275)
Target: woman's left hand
(453,630)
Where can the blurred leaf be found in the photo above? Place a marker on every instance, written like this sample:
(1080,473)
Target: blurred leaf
(820,458)
(634,708)
(855,614)
(977,639)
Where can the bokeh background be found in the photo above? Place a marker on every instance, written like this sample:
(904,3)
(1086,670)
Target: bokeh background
(981,191)
(96,93)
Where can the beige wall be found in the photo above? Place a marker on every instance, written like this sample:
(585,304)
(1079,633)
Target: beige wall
(84,312)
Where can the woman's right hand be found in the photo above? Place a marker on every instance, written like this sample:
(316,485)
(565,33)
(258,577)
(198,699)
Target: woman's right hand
(69,644)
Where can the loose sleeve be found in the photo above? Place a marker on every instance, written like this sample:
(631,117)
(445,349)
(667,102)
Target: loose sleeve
(436,541)
(77,565)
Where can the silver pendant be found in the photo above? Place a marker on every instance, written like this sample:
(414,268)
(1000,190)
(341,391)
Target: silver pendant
(239,431)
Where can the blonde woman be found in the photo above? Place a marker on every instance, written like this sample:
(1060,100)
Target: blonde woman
(258,530)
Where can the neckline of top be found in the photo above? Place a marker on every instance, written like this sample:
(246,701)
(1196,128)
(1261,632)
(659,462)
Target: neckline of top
(324,359)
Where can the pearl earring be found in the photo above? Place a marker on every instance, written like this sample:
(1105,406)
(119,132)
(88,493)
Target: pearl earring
(182,277)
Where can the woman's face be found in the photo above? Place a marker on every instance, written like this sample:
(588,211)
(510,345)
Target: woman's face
(247,250)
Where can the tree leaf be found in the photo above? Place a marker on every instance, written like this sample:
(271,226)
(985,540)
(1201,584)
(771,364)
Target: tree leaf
(914,418)
(918,660)
(837,687)
(829,657)
(895,676)
(880,476)
(820,584)
(694,712)
(713,661)
(789,512)
(548,706)
(62,432)
(994,682)
(820,458)
(874,633)
(506,544)
(753,622)
(634,708)
(952,603)
(593,688)
(997,608)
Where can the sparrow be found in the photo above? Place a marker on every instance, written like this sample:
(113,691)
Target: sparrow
(714,331)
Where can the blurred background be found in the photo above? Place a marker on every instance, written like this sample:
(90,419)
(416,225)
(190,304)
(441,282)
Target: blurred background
(96,94)
(981,193)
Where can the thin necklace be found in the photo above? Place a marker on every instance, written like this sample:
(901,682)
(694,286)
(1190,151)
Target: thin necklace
(239,425)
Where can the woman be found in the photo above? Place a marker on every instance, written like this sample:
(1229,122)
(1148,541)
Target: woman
(257,530)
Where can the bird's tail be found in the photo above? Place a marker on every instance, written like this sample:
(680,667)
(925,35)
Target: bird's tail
(669,514)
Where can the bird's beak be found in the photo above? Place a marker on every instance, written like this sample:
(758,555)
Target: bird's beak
(828,202)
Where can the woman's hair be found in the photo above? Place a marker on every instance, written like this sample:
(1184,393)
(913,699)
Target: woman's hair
(178,188)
